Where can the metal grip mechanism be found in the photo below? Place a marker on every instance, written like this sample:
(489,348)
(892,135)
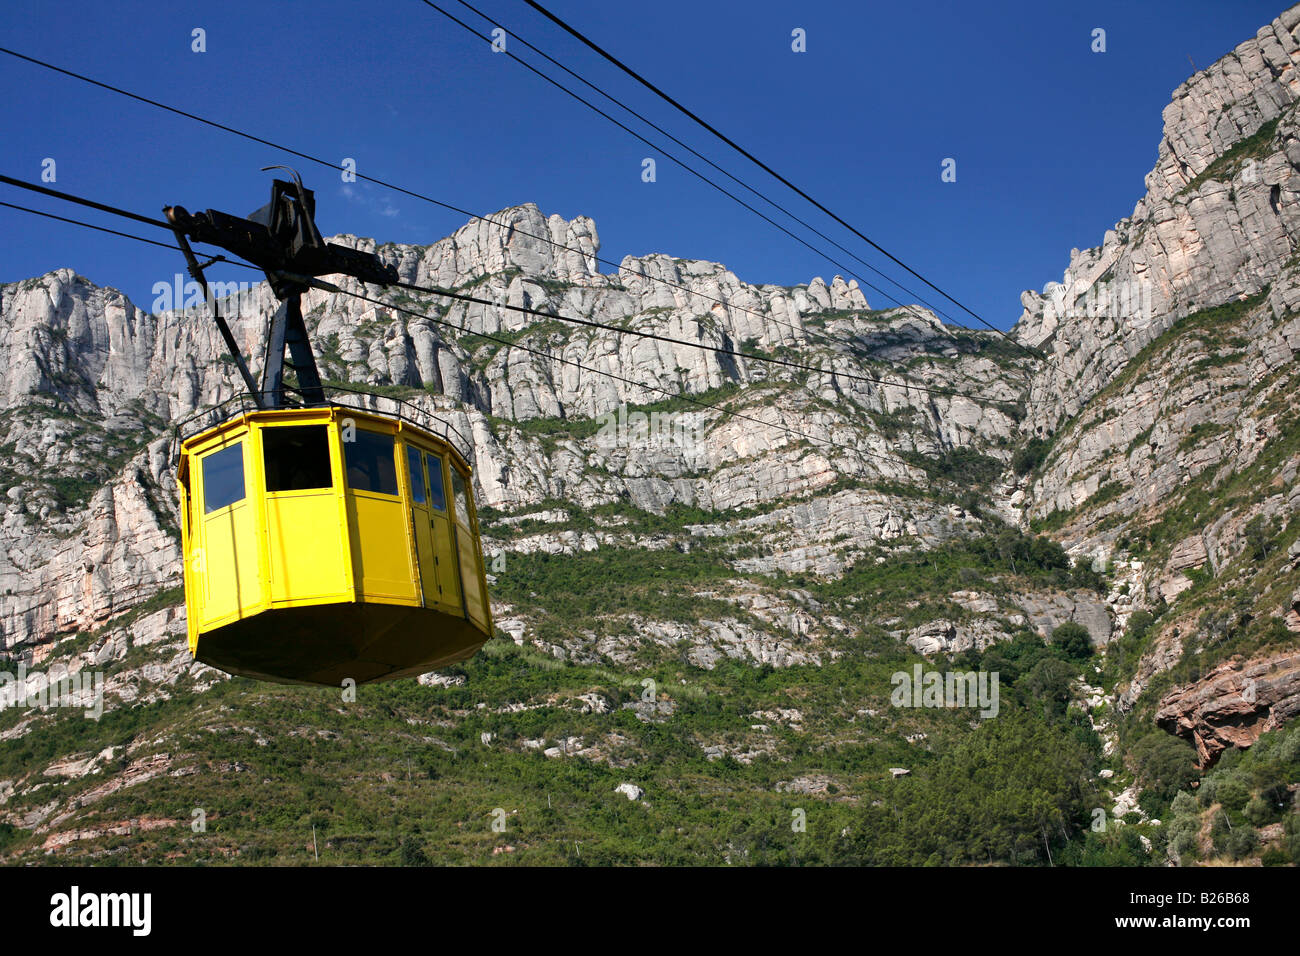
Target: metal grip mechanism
(282,240)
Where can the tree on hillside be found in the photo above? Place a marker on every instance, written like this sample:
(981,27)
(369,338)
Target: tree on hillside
(1074,640)
(1048,682)
(1164,765)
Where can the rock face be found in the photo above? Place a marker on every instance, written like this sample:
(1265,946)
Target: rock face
(1163,417)
(1047,612)
(90,525)
(1234,704)
(1169,344)
(1217,223)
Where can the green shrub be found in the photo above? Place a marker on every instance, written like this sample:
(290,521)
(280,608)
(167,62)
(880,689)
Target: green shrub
(1258,811)
(1029,456)
(1292,847)
(1274,856)
(1241,842)
(1048,682)
(1220,830)
(1288,748)
(1074,640)
(1139,623)
(1182,834)
(411,854)
(1153,803)
(1184,804)
(1164,764)
(1232,795)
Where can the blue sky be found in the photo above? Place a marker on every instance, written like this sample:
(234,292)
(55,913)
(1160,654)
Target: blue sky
(1051,140)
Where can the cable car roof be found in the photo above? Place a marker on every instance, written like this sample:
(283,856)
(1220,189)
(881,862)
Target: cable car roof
(336,396)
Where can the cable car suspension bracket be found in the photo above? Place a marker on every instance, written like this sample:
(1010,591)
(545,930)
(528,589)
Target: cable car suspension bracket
(282,240)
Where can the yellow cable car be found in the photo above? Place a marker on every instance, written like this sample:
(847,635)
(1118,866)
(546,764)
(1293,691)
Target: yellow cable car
(324,539)
(327,543)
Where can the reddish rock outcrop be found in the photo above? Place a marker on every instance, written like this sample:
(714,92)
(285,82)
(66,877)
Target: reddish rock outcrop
(1233,704)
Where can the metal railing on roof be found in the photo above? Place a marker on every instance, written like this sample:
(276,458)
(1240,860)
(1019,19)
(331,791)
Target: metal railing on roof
(339,396)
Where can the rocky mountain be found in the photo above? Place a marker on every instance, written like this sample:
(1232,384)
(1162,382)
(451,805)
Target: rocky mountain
(700,629)
(1173,455)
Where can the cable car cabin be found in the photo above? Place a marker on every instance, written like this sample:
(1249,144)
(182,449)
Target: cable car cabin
(329,543)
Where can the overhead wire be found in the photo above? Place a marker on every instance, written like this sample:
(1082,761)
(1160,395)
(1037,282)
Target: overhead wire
(332,288)
(103,207)
(654,336)
(549,356)
(69,197)
(694,152)
(573,320)
(88,225)
(606,55)
(388,185)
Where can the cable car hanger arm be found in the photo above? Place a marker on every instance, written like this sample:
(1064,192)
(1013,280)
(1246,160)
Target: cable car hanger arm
(282,240)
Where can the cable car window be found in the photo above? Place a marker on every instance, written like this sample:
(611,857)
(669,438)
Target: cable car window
(223,478)
(458,492)
(417,474)
(371,463)
(297,457)
(437,494)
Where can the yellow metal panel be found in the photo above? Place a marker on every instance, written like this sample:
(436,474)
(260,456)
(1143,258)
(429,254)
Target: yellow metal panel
(380,553)
(193,586)
(481,572)
(444,557)
(255,490)
(303,536)
(306,547)
(379,523)
(231,566)
(424,555)
(226,560)
(443,537)
(469,557)
(469,575)
(415,496)
(417,489)
(339,477)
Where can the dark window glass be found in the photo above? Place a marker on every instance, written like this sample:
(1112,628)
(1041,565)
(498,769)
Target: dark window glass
(458,491)
(437,495)
(223,477)
(371,465)
(297,457)
(417,474)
